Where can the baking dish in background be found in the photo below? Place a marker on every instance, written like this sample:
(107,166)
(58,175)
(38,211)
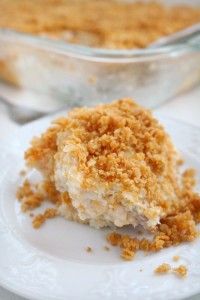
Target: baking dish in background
(79,75)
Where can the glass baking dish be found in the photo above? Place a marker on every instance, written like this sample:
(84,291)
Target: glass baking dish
(78,75)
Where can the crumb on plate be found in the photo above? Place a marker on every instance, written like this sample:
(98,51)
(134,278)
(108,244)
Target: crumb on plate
(172,231)
(41,218)
(29,198)
(163,269)
(180,271)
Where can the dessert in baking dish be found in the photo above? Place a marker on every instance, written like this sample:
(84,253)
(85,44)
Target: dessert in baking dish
(104,24)
(107,24)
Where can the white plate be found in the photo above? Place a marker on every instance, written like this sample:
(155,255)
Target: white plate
(51,263)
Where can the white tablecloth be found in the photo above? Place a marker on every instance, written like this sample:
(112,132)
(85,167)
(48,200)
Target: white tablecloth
(185,107)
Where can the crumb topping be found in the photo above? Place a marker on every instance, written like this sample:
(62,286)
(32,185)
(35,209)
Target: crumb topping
(109,24)
(118,143)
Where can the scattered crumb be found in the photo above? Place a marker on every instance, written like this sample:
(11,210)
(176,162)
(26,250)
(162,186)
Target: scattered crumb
(176,257)
(127,254)
(163,269)
(106,248)
(31,215)
(180,271)
(28,197)
(140,270)
(171,232)
(41,218)
(89,249)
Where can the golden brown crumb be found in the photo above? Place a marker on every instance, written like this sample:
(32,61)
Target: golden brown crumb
(28,198)
(180,271)
(172,231)
(24,190)
(41,218)
(188,179)
(176,257)
(163,269)
(89,249)
(127,254)
(108,24)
